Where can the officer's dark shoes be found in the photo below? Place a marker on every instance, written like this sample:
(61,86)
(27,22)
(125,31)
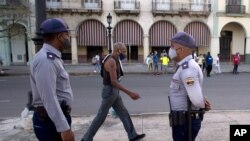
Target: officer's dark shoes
(138,137)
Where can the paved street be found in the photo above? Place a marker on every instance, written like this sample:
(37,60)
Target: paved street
(226,92)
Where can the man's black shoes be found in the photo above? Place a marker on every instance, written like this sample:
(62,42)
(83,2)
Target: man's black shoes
(138,137)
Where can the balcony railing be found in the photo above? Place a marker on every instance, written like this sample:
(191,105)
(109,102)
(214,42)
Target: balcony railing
(127,7)
(75,6)
(177,8)
(235,9)
(14,3)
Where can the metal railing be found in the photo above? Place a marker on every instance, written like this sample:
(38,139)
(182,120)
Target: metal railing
(126,5)
(74,4)
(97,4)
(179,7)
(236,9)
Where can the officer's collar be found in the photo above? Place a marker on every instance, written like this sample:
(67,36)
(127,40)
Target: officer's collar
(187,58)
(53,50)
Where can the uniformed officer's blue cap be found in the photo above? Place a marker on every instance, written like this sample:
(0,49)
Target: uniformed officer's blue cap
(53,25)
(184,39)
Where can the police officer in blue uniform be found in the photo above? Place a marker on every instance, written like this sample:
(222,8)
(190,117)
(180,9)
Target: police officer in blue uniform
(186,85)
(52,94)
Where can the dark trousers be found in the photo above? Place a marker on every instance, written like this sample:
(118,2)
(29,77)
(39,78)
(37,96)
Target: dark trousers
(45,129)
(180,133)
(235,70)
(110,98)
(209,69)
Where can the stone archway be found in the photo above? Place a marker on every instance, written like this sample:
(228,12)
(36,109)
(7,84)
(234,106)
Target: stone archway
(130,33)
(232,40)
(18,44)
(91,39)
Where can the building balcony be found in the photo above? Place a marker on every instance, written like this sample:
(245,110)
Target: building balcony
(14,10)
(177,8)
(236,10)
(123,7)
(80,7)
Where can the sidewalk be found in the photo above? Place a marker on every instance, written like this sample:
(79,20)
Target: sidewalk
(134,68)
(215,127)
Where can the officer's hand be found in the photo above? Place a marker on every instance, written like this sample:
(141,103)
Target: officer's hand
(207,105)
(134,96)
(67,135)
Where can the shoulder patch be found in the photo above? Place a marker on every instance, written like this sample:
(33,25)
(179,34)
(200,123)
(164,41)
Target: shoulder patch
(184,65)
(51,55)
(189,81)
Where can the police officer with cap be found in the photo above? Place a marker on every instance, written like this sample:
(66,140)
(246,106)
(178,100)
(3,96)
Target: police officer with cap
(52,93)
(186,85)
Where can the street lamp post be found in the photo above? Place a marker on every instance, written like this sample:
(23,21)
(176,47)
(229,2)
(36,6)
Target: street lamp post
(40,6)
(109,20)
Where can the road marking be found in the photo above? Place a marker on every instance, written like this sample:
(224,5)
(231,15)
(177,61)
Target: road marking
(4,101)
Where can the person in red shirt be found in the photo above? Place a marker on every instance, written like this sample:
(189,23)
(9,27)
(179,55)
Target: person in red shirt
(236,60)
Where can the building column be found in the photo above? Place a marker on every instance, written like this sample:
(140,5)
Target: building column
(145,46)
(215,47)
(74,55)
(247,53)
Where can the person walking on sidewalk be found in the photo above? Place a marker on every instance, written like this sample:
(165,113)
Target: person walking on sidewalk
(51,90)
(236,60)
(209,64)
(149,62)
(186,84)
(217,65)
(112,73)
(96,62)
(155,62)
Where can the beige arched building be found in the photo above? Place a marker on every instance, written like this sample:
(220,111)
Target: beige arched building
(146,25)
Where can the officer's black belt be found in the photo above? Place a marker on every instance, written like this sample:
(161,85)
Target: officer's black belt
(42,111)
(193,114)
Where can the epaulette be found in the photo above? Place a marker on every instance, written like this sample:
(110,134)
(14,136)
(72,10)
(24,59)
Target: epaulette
(51,55)
(184,65)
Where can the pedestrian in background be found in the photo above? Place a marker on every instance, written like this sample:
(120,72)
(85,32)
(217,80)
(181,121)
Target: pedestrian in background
(96,62)
(209,64)
(1,65)
(165,60)
(217,65)
(112,74)
(51,90)
(186,85)
(204,63)
(155,62)
(200,60)
(236,60)
(149,62)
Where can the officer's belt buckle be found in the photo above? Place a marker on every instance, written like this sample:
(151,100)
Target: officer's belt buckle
(195,115)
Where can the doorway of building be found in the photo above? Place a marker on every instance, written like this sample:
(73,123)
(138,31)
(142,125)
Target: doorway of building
(132,54)
(225,45)
(92,51)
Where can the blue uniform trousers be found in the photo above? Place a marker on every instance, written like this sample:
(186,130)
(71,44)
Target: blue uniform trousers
(110,97)
(180,133)
(45,129)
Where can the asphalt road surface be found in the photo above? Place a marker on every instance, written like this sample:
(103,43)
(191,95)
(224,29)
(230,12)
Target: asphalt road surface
(225,91)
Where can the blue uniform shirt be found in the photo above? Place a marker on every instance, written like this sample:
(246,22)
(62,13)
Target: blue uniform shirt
(187,81)
(50,85)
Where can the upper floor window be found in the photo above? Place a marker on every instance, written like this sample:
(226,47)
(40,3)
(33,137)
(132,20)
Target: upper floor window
(233,2)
